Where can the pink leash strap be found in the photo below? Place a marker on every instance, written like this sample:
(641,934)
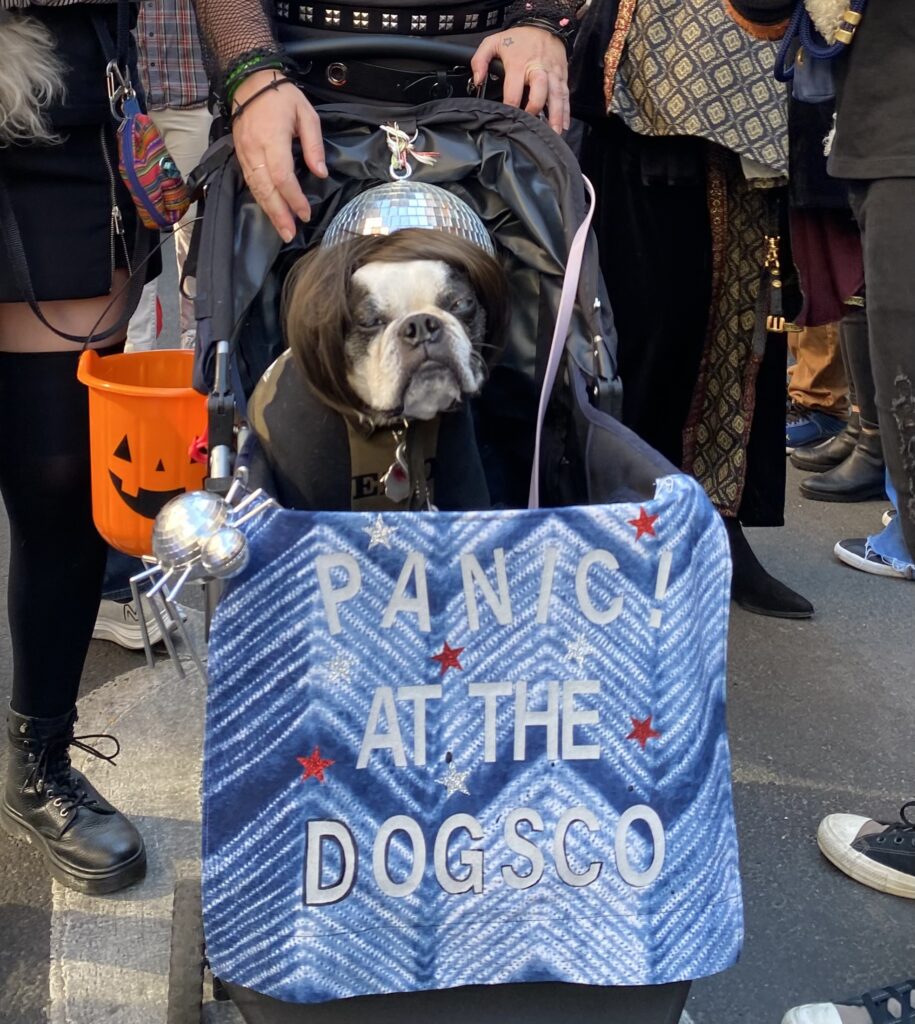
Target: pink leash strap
(560,335)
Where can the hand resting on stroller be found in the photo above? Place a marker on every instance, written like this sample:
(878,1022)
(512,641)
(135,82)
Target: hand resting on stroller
(266,119)
(535,68)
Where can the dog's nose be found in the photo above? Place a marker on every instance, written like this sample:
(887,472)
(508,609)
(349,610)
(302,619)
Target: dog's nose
(421,329)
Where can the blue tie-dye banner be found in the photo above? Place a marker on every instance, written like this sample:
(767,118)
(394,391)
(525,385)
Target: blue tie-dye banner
(461,748)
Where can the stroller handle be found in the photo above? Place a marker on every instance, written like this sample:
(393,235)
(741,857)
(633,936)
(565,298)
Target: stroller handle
(401,47)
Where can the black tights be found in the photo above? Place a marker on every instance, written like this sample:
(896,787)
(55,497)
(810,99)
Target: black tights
(57,557)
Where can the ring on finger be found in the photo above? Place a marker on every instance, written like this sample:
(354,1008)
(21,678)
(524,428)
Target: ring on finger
(537,66)
(251,170)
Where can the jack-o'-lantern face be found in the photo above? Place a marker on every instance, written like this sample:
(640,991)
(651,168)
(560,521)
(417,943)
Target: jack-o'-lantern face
(145,501)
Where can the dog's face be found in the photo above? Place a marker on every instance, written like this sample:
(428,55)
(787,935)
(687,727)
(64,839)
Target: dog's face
(396,328)
(417,332)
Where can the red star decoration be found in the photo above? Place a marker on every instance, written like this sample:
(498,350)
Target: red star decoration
(447,657)
(314,765)
(644,524)
(642,731)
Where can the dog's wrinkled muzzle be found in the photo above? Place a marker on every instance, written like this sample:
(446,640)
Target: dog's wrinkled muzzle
(433,387)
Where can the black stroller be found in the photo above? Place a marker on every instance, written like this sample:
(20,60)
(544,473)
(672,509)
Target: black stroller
(525,184)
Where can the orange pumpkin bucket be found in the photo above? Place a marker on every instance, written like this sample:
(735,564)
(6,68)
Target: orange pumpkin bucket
(143,419)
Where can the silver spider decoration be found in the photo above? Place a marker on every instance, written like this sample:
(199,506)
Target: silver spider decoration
(196,536)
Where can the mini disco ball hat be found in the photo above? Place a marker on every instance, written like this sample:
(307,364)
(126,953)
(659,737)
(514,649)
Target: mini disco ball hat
(407,204)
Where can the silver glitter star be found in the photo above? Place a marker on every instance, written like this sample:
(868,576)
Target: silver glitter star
(379,533)
(454,781)
(340,667)
(577,650)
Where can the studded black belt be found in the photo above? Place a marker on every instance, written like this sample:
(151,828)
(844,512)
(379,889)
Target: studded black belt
(425,21)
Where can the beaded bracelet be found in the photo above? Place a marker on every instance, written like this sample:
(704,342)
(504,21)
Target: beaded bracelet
(247,65)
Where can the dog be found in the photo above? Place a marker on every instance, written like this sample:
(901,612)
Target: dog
(31,78)
(394,327)
(389,338)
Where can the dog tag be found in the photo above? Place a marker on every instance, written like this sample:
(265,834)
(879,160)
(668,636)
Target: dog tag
(396,481)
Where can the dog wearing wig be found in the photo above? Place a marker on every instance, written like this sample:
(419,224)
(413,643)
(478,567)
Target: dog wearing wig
(30,78)
(389,338)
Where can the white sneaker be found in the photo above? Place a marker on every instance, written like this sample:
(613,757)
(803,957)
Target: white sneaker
(118,622)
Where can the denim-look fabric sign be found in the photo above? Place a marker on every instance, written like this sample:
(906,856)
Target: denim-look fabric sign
(456,748)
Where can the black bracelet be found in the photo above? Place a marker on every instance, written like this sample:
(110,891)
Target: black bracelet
(274,85)
(259,59)
(558,17)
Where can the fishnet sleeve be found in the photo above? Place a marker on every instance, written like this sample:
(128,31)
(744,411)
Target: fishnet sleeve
(557,16)
(231,30)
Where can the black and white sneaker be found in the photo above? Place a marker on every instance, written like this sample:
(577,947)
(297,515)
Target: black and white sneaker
(875,853)
(892,1004)
(856,553)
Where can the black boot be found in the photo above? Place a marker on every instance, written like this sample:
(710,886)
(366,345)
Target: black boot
(861,477)
(753,588)
(86,843)
(817,458)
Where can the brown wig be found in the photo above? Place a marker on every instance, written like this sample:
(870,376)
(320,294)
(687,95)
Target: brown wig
(317,301)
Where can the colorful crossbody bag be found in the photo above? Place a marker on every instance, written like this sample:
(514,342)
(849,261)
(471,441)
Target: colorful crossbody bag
(155,184)
(151,175)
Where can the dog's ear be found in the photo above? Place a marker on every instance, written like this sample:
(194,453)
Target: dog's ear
(316,320)
(490,284)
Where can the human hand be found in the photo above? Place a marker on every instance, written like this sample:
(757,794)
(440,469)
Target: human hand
(534,59)
(263,135)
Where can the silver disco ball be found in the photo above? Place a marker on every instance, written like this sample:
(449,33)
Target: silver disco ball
(407,204)
(184,525)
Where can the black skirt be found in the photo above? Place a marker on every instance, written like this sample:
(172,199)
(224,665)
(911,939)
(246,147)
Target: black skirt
(64,195)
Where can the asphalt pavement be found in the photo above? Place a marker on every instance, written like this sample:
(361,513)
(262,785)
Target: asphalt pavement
(820,717)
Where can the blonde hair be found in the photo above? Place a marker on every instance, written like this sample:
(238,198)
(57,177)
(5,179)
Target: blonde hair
(31,76)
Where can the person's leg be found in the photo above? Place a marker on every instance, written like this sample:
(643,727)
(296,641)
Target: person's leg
(860,475)
(820,457)
(56,556)
(817,378)
(857,355)
(817,386)
(142,331)
(187,134)
(886,213)
(763,501)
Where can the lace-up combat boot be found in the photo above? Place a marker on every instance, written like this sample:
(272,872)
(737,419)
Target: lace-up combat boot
(87,844)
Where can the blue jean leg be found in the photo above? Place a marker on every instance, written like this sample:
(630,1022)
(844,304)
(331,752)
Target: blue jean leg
(118,570)
(890,544)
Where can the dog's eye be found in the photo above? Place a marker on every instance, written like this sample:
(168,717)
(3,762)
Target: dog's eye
(370,322)
(463,305)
